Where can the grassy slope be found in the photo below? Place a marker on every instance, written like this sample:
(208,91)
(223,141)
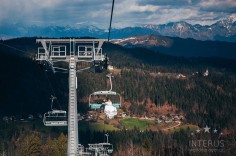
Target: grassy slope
(131,123)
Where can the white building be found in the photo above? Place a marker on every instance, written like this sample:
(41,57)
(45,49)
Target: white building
(206,73)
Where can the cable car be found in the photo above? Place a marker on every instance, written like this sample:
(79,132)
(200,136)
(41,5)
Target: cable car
(103,149)
(55,117)
(96,103)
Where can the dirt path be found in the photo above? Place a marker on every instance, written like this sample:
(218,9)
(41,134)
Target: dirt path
(172,126)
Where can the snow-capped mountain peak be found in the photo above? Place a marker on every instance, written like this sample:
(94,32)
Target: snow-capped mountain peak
(232,18)
(150,26)
(224,29)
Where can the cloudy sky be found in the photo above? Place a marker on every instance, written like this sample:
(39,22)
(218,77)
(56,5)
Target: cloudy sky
(126,12)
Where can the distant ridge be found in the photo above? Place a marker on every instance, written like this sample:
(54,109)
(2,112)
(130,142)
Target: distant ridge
(180,47)
(222,30)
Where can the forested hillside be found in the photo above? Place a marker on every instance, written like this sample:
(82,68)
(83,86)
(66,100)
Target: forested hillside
(175,46)
(145,79)
(27,88)
(24,86)
(151,76)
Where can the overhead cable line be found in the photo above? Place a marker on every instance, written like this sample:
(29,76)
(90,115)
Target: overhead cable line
(51,87)
(113,2)
(23,52)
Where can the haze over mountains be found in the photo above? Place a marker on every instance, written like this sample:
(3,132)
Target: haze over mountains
(223,30)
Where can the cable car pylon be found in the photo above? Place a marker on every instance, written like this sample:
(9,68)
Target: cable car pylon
(80,50)
(87,50)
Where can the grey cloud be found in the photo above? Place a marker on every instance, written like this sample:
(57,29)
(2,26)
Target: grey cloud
(126,12)
(227,6)
(171,2)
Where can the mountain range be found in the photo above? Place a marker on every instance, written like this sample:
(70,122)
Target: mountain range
(222,30)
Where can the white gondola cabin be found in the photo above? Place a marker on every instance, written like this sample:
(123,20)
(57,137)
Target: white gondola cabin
(55,118)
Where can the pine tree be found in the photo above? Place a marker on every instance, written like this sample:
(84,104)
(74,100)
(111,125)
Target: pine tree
(29,146)
(62,144)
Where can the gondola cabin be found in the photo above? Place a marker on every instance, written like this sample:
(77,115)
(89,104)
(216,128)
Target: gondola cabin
(55,118)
